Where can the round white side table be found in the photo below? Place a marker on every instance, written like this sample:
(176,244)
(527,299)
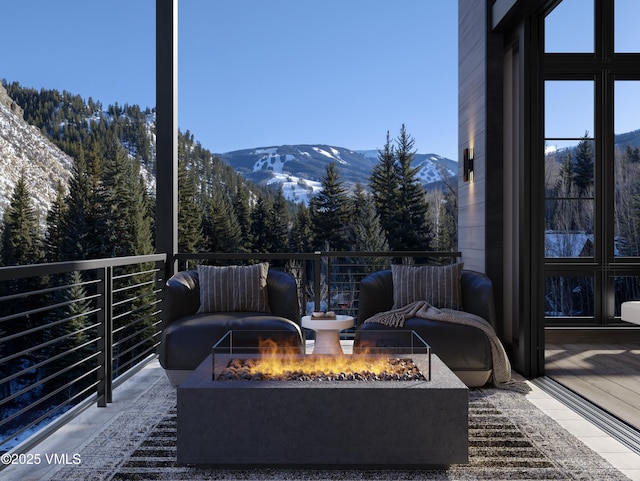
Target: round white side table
(327,332)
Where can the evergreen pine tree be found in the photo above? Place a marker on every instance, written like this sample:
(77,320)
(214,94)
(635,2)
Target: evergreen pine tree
(220,224)
(632,154)
(412,229)
(301,235)
(56,228)
(21,239)
(21,244)
(368,234)
(384,186)
(141,211)
(278,223)
(190,212)
(260,225)
(331,213)
(114,221)
(583,172)
(565,181)
(243,212)
(81,202)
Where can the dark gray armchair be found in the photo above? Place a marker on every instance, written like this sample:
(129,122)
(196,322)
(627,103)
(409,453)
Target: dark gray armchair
(464,349)
(188,336)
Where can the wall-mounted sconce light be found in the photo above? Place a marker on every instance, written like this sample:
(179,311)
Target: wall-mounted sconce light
(468,165)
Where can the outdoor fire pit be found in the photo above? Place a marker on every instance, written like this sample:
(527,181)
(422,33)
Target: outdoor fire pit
(413,414)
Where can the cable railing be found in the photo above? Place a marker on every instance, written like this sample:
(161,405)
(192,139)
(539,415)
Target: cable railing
(68,332)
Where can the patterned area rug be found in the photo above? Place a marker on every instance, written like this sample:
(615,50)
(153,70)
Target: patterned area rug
(509,438)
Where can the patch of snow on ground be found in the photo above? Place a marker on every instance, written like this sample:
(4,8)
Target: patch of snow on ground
(333,155)
(295,188)
(270,161)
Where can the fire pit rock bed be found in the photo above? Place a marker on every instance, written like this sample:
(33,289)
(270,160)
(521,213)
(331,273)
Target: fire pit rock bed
(323,423)
(396,369)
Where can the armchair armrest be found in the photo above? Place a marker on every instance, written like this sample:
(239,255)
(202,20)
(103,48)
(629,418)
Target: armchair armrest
(283,295)
(181,296)
(376,295)
(477,295)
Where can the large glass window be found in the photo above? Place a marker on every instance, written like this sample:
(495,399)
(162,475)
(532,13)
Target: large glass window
(569,169)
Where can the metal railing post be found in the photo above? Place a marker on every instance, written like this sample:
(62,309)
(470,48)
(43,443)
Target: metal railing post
(329,282)
(109,337)
(105,336)
(317,280)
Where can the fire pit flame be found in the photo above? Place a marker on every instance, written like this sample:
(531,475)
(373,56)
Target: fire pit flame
(276,364)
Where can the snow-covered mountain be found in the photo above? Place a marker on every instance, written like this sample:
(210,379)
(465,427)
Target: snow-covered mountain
(23,149)
(299,168)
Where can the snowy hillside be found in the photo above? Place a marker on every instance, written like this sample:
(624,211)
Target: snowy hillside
(23,149)
(299,168)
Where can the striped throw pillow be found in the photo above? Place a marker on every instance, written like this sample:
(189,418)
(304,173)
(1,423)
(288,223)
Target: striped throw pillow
(234,288)
(438,285)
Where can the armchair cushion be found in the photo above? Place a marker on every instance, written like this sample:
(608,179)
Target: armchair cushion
(233,288)
(437,285)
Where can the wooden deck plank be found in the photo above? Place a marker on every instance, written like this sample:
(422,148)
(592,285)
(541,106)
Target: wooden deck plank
(607,375)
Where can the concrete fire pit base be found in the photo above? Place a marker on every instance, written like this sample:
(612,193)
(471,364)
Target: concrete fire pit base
(323,423)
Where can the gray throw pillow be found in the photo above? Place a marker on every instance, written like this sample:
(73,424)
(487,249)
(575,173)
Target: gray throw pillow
(234,288)
(438,285)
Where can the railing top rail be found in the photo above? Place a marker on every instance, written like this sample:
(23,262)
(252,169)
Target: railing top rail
(309,255)
(35,270)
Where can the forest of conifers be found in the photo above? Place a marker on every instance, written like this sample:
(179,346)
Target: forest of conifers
(108,208)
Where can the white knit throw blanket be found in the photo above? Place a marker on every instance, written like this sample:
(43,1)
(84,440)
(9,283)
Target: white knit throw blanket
(501,375)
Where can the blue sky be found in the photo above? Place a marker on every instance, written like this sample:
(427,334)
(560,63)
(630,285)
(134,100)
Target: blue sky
(254,73)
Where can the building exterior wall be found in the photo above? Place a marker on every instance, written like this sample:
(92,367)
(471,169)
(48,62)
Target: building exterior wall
(472,33)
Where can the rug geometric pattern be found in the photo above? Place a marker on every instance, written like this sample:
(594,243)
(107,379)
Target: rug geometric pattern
(509,439)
